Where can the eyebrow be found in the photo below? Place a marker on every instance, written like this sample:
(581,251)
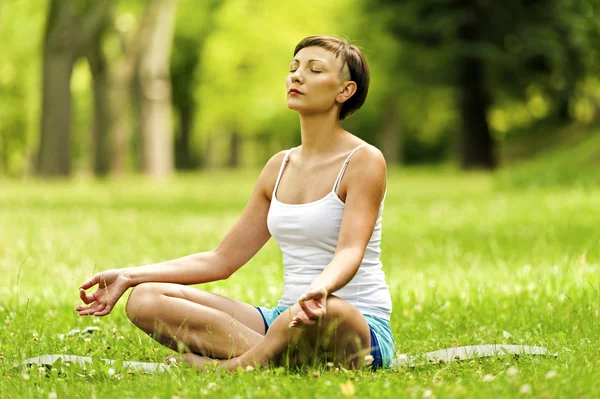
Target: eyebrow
(309,61)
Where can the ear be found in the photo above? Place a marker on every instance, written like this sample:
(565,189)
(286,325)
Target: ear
(347,91)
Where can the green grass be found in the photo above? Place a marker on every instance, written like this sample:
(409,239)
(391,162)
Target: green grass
(467,263)
(572,159)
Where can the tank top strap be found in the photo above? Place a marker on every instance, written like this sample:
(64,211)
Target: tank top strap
(283,163)
(343,169)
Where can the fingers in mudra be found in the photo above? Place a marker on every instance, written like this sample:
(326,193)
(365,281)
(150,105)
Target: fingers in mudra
(311,313)
(112,284)
(97,306)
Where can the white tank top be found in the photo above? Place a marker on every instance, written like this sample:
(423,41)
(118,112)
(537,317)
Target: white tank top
(308,235)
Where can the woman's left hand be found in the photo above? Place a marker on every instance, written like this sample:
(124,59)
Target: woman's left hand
(313,304)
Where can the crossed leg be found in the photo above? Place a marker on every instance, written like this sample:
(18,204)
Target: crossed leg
(187,319)
(342,337)
(209,326)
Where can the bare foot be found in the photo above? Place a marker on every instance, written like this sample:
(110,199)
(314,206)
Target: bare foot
(194,360)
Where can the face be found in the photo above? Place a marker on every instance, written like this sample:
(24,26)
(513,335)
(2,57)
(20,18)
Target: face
(318,81)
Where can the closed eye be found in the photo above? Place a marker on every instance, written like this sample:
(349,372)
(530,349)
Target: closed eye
(312,70)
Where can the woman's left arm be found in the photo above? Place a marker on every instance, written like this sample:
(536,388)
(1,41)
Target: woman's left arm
(365,178)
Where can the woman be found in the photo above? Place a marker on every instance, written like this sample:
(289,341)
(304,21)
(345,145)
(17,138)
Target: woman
(322,202)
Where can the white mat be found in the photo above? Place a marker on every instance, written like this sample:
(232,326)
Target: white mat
(467,352)
(436,357)
(48,360)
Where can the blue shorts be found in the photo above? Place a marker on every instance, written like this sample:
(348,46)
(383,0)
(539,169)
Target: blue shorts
(382,341)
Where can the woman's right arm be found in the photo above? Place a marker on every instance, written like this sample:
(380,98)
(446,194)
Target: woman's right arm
(240,244)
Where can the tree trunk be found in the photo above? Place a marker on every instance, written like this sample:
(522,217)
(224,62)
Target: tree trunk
(156,123)
(184,156)
(391,137)
(183,80)
(54,150)
(477,143)
(69,31)
(573,71)
(122,85)
(101,128)
(59,54)
(120,111)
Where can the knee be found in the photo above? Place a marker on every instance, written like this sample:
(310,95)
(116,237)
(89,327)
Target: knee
(141,300)
(341,313)
(338,308)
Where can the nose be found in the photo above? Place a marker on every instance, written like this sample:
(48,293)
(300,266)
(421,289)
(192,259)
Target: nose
(296,77)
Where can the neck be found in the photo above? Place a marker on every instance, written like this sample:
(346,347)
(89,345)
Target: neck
(321,134)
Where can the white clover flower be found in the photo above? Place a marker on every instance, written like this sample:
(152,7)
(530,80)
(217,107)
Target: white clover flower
(550,374)
(525,389)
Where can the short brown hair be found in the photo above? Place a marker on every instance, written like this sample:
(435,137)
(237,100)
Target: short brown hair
(351,55)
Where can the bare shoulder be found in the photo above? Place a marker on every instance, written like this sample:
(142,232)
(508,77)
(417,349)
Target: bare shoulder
(368,162)
(366,172)
(269,173)
(370,153)
(276,160)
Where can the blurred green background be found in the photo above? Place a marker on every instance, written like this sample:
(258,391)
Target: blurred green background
(107,95)
(117,87)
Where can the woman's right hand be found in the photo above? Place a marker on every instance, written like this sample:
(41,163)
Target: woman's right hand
(112,284)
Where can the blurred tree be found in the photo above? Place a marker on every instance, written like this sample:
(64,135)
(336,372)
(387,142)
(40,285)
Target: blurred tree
(131,39)
(438,67)
(184,64)
(100,131)
(195,22)
(474,94)
(71,28)
(155,84)
(484,49)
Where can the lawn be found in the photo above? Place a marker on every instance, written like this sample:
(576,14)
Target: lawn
(468,262)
